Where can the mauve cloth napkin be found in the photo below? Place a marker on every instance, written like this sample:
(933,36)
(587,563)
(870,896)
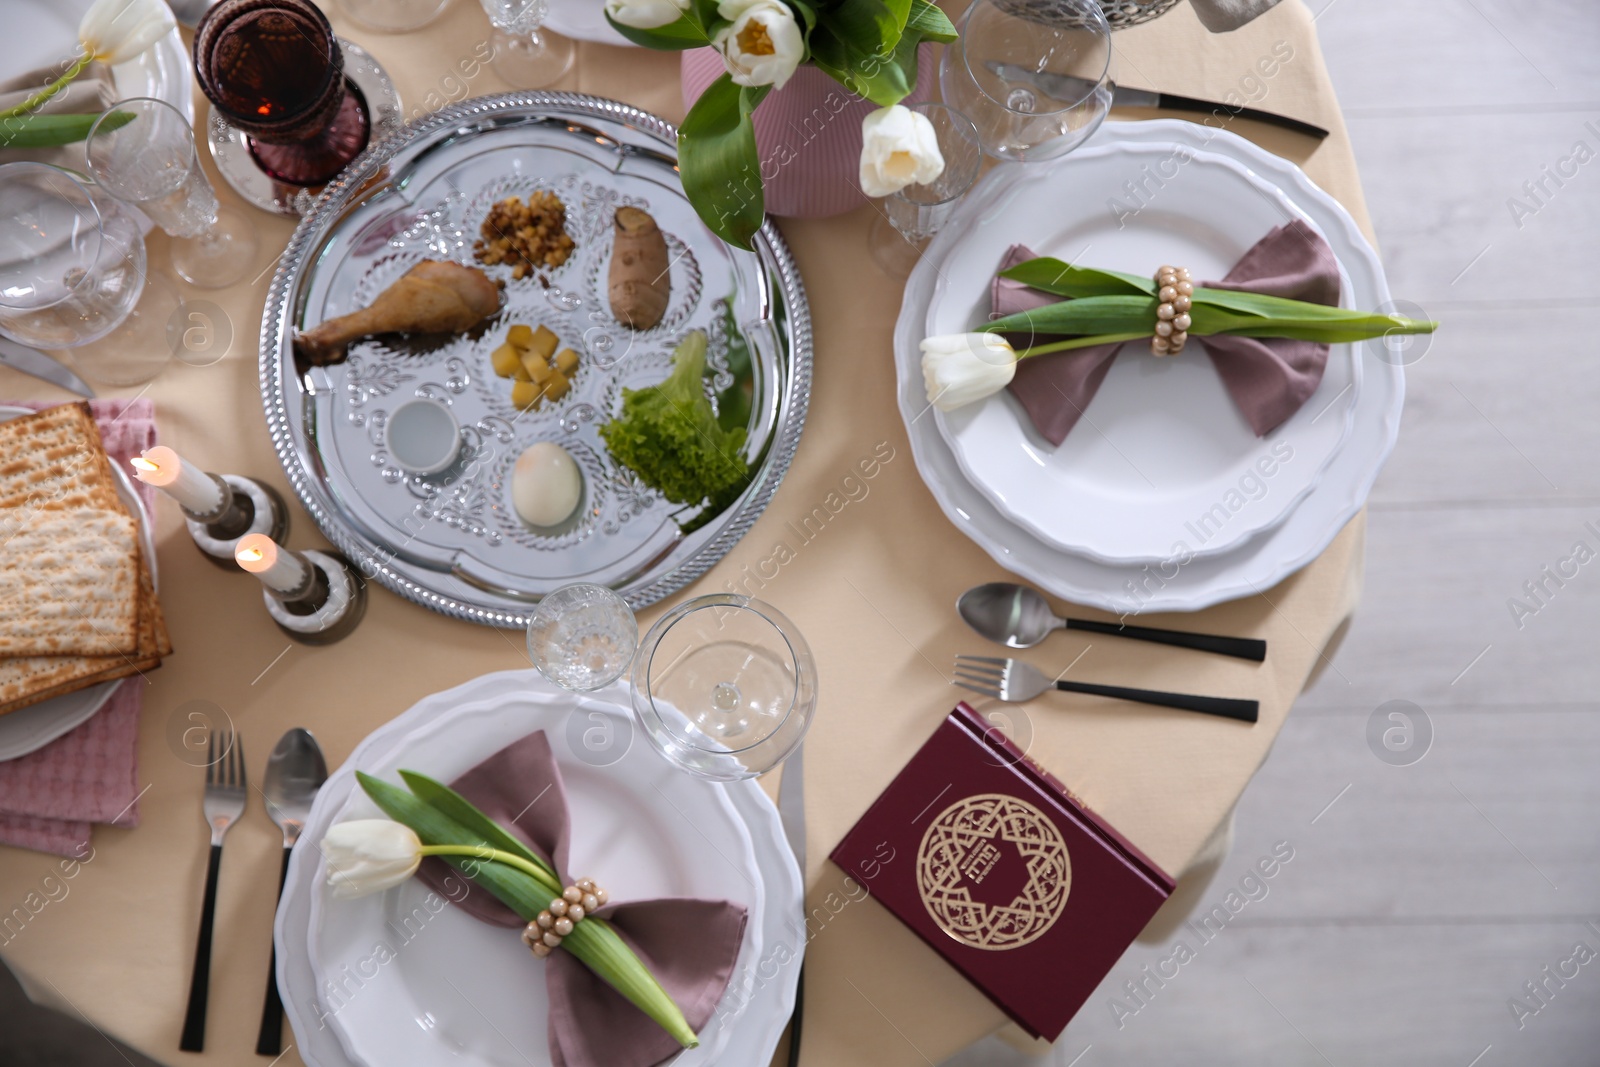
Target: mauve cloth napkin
(50,798)
(1269,378)
(691,946)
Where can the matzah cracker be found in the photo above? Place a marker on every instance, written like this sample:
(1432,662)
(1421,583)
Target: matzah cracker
(69,584)
(54,460)
(26,680)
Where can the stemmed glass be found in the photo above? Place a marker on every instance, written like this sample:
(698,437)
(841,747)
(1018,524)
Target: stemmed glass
(71,268)
(142,151)
(725,686)
(274,70)
(1032,75)
(523,56)
(394,16)
(582,636)
(914,214)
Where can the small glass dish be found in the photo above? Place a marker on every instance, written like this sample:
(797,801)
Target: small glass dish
(725,686)
(582,636)
(423,435)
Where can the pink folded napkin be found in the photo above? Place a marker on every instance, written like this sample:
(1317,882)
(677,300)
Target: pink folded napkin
(691,946)
(1269,378)
(50,798)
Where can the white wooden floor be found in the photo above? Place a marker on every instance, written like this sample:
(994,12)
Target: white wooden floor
(1419,903)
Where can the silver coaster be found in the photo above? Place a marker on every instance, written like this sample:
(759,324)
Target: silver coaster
(230,147)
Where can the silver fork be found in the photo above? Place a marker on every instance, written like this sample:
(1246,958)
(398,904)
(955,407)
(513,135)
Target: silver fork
(1013,680)
(223,804)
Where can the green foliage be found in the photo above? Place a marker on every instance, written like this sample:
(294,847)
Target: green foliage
(669,435)
(51,131)
(718,161)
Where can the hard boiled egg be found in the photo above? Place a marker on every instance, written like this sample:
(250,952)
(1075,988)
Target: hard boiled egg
(546,485)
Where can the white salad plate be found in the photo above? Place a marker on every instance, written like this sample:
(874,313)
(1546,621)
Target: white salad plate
(1181,580)
(40,33)
(638,825)
(1162,445)
(31,728)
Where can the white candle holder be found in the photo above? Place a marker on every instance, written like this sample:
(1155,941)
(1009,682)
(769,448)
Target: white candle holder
(248,507)
(326,607)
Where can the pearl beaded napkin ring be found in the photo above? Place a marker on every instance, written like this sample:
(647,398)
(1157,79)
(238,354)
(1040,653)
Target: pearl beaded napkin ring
(578,900)
(1172,313)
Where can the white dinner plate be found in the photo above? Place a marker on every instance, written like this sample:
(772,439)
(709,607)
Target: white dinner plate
(41,32)
(1176,583)
(31,728)
(584,20)
(1162,452)
(443,735)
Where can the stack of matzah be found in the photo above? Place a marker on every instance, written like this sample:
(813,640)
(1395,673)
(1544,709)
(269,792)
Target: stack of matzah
(77,606)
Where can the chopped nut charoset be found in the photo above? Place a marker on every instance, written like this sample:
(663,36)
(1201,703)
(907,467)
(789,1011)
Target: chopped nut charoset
(525,236)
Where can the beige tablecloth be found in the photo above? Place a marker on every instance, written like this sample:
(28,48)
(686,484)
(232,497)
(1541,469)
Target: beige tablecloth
(873,592)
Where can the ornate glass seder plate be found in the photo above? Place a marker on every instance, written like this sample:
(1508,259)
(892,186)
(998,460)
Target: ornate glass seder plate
(452,541)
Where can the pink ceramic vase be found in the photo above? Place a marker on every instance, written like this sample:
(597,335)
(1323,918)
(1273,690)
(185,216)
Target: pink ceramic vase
(808,135)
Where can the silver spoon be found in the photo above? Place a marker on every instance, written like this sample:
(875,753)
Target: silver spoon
(295,771)
(1020,617)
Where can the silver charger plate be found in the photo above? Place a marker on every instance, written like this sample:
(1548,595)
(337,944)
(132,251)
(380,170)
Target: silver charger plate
(452,541)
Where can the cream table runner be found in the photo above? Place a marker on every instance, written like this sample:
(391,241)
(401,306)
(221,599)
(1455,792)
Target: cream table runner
(872,587)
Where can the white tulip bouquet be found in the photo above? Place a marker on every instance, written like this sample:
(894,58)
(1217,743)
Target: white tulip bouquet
(868,46)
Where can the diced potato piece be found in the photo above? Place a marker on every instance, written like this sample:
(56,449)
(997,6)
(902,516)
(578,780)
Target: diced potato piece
(519,335)
(543,343)
(525,395)
(537,367)
(557,387)
(507,360)
(567,361)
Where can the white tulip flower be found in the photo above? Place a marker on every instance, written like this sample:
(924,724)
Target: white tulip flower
(115,31)
(898,148)
(646,14)
(369,855)
(763,46)
(959,368)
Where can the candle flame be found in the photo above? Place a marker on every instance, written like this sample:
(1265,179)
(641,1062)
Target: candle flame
(250,555)
(256,553)
(144,464)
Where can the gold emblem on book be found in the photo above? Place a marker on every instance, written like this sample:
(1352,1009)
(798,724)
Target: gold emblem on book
(1007,842)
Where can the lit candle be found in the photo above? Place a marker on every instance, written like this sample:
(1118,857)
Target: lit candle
(278,568)
(193,489)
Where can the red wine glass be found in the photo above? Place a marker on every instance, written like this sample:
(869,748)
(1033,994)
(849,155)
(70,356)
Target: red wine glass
(274,70)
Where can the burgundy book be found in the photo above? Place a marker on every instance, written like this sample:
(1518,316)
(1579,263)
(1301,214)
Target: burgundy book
(996,864)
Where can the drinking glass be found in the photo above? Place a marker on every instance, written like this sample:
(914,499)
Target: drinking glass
(72,267)
(523,56)
(393,16)
(914,214)
(274,70)
(582,636)
(1031,74)
(142,152)
(725,686)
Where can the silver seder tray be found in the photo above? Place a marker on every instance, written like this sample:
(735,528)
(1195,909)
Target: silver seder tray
(452,541)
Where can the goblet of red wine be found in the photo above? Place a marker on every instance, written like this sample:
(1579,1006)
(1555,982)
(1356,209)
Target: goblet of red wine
(274,70)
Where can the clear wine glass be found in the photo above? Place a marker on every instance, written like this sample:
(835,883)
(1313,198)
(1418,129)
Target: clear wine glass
(72,268)
(582,636)
(525,57)
(1031,74)
(725,686)
(393,16)
(142,151)
(914,214)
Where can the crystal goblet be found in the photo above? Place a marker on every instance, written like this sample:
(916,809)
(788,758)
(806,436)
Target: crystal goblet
(142,151)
